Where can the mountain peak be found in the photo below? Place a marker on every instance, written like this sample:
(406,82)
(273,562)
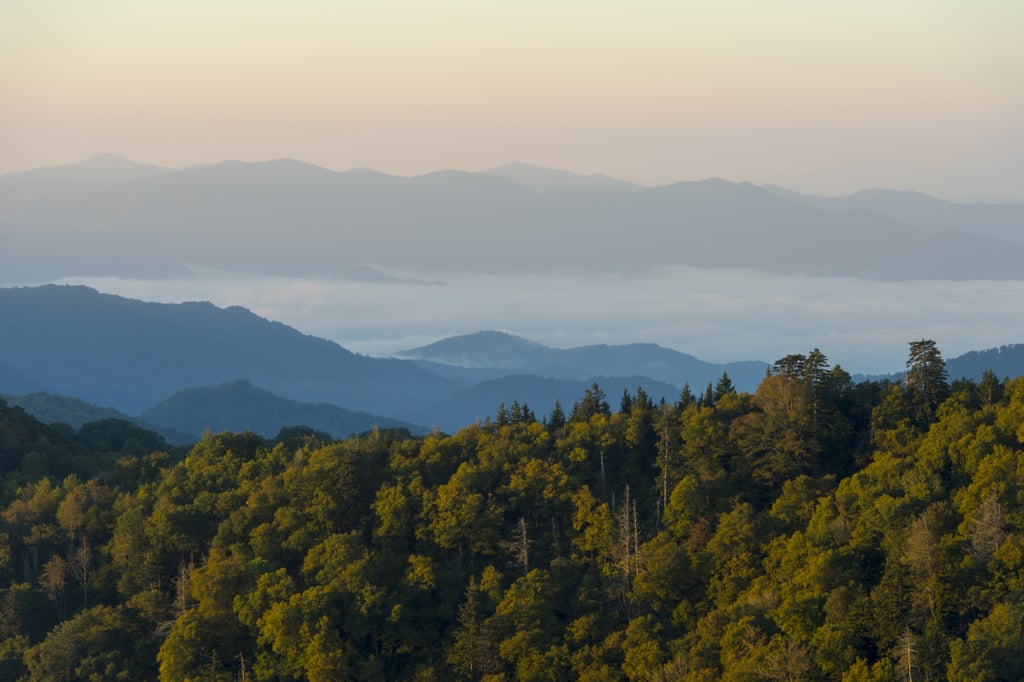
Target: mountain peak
(487,348)
(541,179)
(280,165)
(101,168)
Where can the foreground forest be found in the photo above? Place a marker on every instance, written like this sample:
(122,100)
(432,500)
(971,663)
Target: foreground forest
(814,530)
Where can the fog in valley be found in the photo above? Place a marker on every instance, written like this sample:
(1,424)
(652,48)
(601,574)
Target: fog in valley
(381,263)
(717,315)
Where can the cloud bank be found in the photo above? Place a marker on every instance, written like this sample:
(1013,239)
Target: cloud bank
(717,315)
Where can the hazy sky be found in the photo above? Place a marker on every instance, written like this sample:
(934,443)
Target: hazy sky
(816,94)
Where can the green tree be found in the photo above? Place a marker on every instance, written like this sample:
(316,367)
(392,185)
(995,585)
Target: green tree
(686,397)
(736,553)
(101,643)
(526,625)
(723,387)
(990,388)
(473,654)
(926,379)
(778,437)
(992,648)
(556,420)
(592,403)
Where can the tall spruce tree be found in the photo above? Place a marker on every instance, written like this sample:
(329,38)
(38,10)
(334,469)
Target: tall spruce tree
(926,379)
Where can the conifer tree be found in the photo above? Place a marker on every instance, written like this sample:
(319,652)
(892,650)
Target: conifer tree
(926,379)
(686,397)
(556,419)
(723,387)
(592,403)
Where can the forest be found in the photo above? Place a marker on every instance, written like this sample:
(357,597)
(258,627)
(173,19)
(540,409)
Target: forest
(816,529)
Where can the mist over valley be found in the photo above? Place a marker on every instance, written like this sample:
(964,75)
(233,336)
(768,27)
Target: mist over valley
(381,263)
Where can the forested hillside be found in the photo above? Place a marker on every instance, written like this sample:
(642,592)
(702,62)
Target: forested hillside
(813,530)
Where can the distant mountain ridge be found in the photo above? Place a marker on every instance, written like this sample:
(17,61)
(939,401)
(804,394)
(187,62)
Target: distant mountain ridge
(289,217)
(131,355)
(239,406)
(51,409)
(1005,361)
(134,356)
(925,213)
(487,348)
(102,168)
(503,351)
(541,179)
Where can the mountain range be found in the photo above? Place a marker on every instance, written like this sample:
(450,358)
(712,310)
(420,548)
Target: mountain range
(109,216)
(182,368)
(131,355)
(490,351)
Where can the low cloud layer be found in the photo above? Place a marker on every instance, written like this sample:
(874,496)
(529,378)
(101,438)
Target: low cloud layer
(717,315)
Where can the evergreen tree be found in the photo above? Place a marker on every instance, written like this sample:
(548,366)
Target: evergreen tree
(592,403)
(626,403)
(990,388)
(926,380)
(708,399)
(502,417)
(723,387)
(643,401)
(790,366)
(686,397)
(556,419)
(815,367)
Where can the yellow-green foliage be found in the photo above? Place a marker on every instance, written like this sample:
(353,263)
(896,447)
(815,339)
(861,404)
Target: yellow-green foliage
(812,531)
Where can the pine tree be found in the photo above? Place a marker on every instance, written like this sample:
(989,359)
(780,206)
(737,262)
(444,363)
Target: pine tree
(723,387)
(556,419)
(990,388)
(592,403)
(926,379)
(626,403)
(790,366)
(686,397)
(708,399)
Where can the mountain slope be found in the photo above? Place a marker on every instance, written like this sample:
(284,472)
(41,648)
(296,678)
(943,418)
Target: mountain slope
(51,409)
(489,348)
(502,351)
(1005,361)
(927,214)
(240,406)
(15,382)
(101,168)
(130,354)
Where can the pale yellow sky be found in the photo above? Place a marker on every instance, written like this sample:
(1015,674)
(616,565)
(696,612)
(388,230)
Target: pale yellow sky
(833,95)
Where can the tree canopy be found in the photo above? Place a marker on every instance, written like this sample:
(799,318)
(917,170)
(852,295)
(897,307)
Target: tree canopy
(815,529)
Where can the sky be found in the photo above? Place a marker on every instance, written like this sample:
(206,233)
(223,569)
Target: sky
(817,95)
